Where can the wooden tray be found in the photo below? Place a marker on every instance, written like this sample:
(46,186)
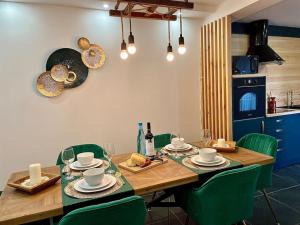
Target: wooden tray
(232,147)
(53,178)
(137,169)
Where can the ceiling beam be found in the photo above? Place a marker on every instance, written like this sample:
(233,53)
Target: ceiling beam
(143,15)
(162,3)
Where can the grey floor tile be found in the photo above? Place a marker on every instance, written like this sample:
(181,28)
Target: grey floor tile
(291,173)
(280,182)
(262,214)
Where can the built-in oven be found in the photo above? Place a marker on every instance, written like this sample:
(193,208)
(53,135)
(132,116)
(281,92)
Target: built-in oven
(249,97)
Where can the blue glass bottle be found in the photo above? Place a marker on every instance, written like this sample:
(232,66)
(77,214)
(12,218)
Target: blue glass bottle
(141,143)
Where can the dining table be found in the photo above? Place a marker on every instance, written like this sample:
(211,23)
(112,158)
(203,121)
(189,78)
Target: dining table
(17,207)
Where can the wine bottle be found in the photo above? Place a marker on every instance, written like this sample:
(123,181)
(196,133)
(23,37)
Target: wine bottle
(149,141)
(141,145)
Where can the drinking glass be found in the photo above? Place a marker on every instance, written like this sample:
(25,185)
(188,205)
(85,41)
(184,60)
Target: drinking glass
(68,156)
(205,137)
(109,151)
(172,135)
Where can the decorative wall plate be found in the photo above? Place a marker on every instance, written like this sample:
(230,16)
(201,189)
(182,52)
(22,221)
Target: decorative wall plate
(83,43)
(72,60)
(59,73)
(47,86)
(94,57)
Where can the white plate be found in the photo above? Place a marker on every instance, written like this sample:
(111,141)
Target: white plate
(195,160)
(93,163)
(217,146)
(217,159)
(80,189)
(74,167)
(107,179)
(185,147)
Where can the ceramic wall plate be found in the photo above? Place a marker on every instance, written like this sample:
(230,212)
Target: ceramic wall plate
(49,87)
(72,60)
(94,57)
(59,73)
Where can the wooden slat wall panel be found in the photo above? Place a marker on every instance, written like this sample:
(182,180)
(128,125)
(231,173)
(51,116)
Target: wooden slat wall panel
(216,77)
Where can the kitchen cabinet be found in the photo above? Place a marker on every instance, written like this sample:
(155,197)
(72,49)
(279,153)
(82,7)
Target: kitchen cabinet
(286,130)
(243,127)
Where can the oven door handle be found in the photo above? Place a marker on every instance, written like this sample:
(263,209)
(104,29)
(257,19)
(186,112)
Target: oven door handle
(262,85)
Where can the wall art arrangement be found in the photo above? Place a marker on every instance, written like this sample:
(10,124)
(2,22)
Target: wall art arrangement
(68,68)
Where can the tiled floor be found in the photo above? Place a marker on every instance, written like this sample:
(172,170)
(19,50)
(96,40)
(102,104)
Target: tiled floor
(284,195)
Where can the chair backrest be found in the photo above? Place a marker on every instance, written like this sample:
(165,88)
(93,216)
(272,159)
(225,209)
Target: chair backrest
(97,150)
(227,197)
(260,143)
(161,140)
(125,211)
(263,144)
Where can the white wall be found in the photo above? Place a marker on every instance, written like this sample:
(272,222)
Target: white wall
(107,107)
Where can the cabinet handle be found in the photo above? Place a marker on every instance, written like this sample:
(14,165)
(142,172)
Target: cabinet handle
(278,130)
(279,140)
(262,127)
(278,121)
(279,150)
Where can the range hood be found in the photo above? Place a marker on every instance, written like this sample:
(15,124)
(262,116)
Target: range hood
(259,43)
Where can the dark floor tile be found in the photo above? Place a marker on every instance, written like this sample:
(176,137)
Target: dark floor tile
(157,214)
(291,173)
(290,197)
(281,181)
(262,214)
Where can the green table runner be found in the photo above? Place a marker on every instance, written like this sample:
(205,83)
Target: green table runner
(70,203)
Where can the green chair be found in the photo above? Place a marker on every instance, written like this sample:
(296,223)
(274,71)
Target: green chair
(226,198)
(264,144)
(97,150)
(161,140)
(130,210)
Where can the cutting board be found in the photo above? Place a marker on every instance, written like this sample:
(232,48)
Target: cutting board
(137,169)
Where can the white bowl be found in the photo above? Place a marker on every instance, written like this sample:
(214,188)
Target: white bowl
(177,142)
(85,158)
(208,154)
(93,176)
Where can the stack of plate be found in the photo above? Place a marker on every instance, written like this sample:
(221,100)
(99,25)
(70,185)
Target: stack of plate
(107,182)
(185,147)
(77,166)
(198,160)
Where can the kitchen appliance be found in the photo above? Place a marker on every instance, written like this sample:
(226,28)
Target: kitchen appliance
(259,43)
(249,97)
(245,64)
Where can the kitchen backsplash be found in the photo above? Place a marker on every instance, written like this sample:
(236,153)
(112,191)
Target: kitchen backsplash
(280,79)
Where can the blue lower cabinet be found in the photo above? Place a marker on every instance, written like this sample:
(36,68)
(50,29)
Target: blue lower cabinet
(286,130)
(243,127)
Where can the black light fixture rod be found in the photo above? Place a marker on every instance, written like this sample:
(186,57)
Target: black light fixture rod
(180,22)
(122,27)
(169,35)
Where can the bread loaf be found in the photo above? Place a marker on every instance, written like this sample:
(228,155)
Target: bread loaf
(138,159)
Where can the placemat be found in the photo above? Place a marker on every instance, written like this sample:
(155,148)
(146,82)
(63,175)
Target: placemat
(70,191)
(71,203)
(193,151)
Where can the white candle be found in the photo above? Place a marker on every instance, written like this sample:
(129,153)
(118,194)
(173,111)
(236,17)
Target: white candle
(35,173)
(221,142)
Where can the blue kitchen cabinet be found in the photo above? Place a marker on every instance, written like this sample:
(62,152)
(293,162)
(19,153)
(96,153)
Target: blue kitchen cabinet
(243,127)
(286,130)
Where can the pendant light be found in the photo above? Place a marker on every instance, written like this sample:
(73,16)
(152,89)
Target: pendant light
(131,46)
(170,54)
(123,54)
(181,48)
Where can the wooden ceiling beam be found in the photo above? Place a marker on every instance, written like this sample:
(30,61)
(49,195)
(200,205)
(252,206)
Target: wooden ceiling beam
(151,10)
(128,9)
(163,3)
(171,11)
(143,15)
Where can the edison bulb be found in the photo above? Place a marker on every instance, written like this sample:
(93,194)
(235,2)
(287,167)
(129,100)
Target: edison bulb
(181,49)
(131,49)
(170,56)
(124,54)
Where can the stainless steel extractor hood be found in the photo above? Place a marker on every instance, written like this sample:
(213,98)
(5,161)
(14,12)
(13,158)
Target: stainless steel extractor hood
(259,43)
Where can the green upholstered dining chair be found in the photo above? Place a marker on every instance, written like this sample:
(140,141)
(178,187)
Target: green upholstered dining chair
(161,140)
(226,198)
(96,149)
(267,145)
(130,210)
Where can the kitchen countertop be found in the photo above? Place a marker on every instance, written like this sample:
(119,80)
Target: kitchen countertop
(283,112)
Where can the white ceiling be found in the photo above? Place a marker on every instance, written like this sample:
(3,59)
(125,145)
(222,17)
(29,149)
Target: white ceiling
(202,8)
(285,13)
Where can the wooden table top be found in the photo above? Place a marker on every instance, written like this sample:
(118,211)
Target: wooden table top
(17,207)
